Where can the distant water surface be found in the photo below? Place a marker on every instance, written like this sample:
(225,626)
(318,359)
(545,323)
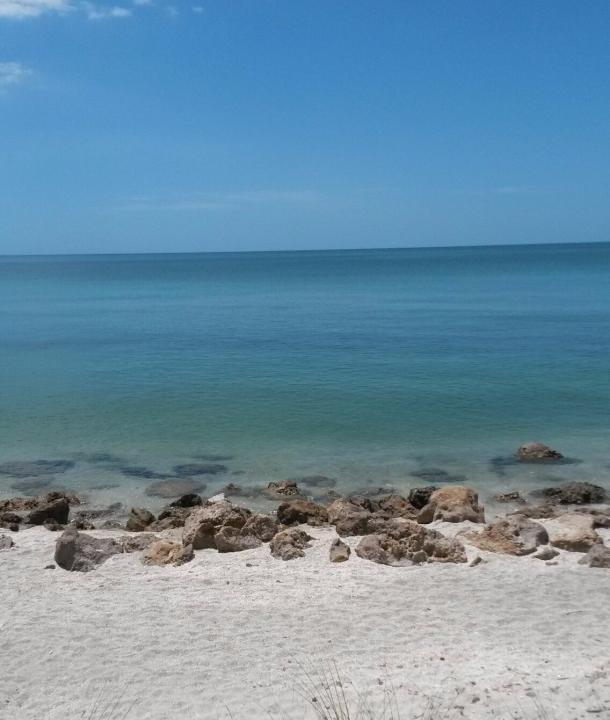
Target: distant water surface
(365,366)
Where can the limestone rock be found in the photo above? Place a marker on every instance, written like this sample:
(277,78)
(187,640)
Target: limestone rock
(189,500)
(339,551)
(80,552)
(597,557)
(546,553)
(572,531)
(193,469)
(6,543)
(166,552)
(139,519)
(510,497)
(513,535)
(574,493)
(407,543)
(420,496)
(349,516)
(454,503)
(536,451)
(282,489)
(204,522)
(57,510)
(301,511)
(232,539)
(263,527)
(136,543)
(290,544)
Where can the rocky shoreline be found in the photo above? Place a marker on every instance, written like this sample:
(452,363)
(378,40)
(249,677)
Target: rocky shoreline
(393,528)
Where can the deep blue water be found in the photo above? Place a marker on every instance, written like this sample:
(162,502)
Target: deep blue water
(362,365)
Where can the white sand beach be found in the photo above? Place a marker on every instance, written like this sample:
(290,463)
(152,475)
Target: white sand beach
(232,635)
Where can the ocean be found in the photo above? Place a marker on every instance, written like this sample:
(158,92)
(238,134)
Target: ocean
(374,368)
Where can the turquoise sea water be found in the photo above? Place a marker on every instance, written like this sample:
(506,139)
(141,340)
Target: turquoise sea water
(365,366)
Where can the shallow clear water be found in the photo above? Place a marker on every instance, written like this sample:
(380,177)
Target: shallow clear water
(360,365)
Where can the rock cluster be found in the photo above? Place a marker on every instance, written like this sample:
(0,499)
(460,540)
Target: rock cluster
(513,535)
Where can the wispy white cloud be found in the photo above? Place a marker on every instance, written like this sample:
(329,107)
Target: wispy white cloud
(243,200)
(104,12)
(21,9)
(12,74)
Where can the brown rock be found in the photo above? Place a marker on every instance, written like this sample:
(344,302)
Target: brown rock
(454,503)
(407,543)
(510,497)
(136,543)
(572,531)
(57,510)
(282,489)
(263,527)
(139,519)
(420,496)
(513,535)
(166,552)
(349,516)
(339,551)
(174,488)
(301,511)
(204,522)
(574,493)
(536,451)
(232,539)
(82,553)
(546,553)
(289,544)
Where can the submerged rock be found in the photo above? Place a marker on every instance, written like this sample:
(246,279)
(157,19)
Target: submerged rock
(406,542)
(536,451)
(204,522)
(339,551)
(33,485)
(452,504)
(290,544)
(572,531)
(145,473)
(282,489)
(35,468)
(435,476)
(317,481)
(191,469)
(513,535)
(301,511)
(574,493)
(139,519)
(512,496)
(211,457)
(233,490)
(189,500)
(169,489)
(166,552)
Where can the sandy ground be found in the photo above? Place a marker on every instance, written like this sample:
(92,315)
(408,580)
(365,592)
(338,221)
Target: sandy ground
(232,636)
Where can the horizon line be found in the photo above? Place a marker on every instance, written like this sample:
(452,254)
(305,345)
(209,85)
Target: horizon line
(298,250)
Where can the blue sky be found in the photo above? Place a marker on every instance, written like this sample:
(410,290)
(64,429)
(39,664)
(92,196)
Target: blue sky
(268,124)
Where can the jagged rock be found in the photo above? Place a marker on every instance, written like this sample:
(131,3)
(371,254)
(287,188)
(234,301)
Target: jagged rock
(454,503)
(406,542)
(6,543)
(510,497)
(513,535)
(289,544)
(373,491)
(574,493)
(537,512)
(233,490)
(282,489)
(57,510)
(546,553)
(139,519)
(420,496)
(392,506)
(136,543)
(301,511)
(171,517)
(232,539)
(82,524)
(263,527)
(349,516)
(174,488)
(204,522)
(339,551)
(572,531)
(193,469)
(166,552)
(10,521)
(536,451)
(80,552)
(35,468)
(52,525)
(189,500)
(597,557)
